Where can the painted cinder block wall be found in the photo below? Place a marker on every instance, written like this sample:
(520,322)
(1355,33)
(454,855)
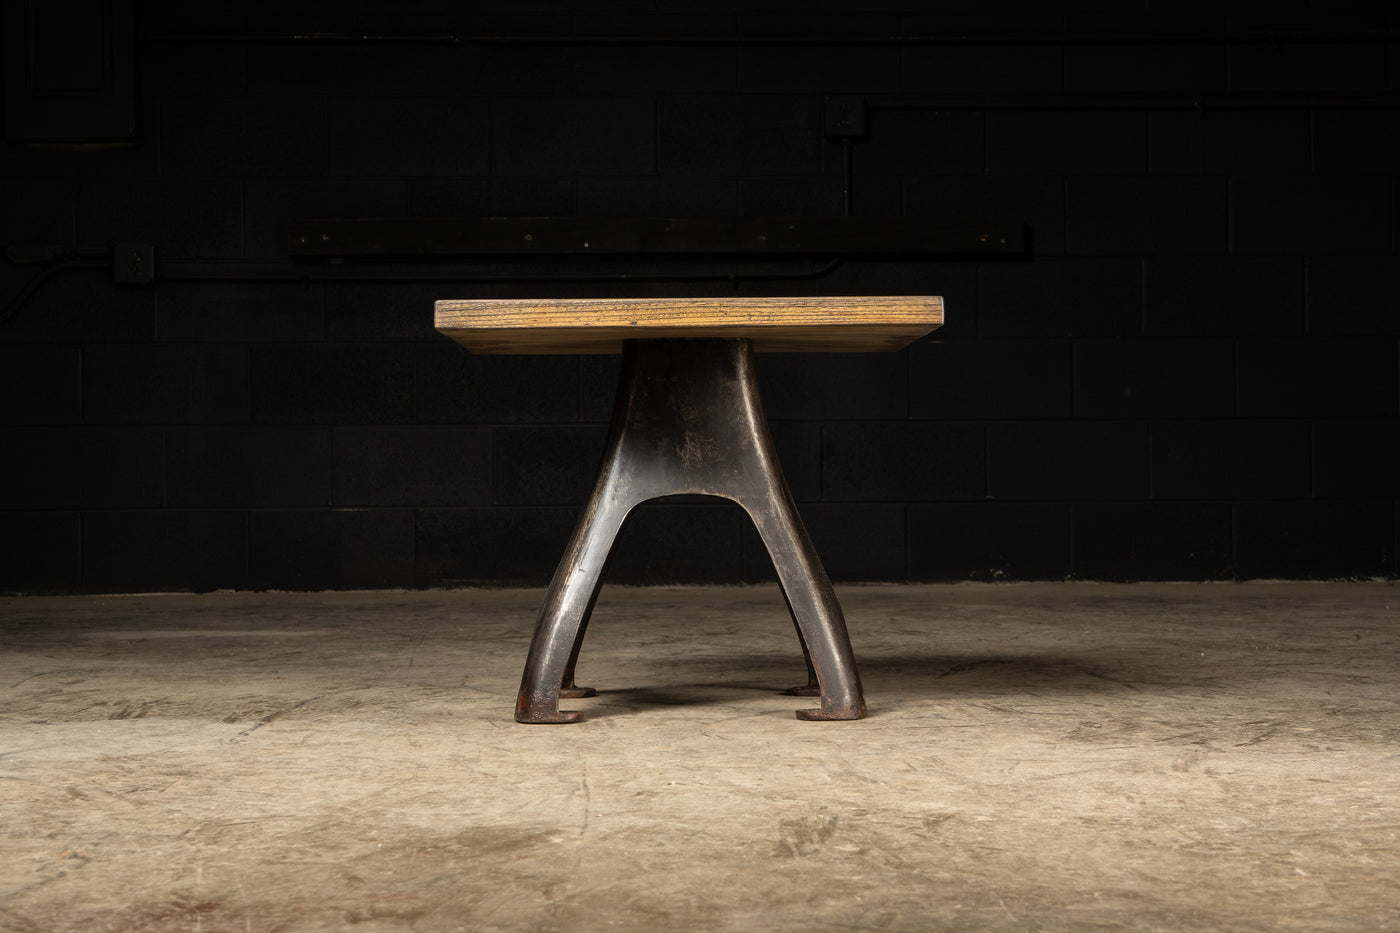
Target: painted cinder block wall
(1193,376)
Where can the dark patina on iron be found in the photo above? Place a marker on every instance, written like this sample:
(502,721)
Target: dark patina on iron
(688,420)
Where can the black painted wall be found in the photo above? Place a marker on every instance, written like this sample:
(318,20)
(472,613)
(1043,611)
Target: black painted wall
(1194,375)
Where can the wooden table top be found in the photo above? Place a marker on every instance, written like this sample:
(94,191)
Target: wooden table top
(599,325)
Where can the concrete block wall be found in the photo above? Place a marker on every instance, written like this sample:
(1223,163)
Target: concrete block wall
(1192,376)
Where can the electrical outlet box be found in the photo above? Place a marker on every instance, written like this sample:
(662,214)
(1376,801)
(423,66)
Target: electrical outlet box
(844,117)
(134,263)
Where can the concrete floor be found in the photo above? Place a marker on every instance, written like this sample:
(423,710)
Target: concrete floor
(1038,757)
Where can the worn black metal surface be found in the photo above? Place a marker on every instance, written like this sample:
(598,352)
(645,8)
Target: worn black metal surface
(688,420)
(400,237)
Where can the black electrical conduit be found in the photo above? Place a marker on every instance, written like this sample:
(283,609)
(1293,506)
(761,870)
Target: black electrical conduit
(239,271)
(1257,37)
(1202,102)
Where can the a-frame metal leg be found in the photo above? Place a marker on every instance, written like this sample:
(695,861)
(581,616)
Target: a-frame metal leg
(564,616)
(688,421)
(815,610)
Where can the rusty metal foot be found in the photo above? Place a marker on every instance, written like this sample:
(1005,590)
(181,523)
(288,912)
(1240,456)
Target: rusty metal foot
(688,421)
(540,710)
(833,713)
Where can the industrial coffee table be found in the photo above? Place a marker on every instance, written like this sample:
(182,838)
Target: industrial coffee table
(688,420)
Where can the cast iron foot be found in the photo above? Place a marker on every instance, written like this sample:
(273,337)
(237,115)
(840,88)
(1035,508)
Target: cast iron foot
(543,710)
(832,713)
(572,692)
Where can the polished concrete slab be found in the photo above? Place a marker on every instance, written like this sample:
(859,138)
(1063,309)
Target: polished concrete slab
(1038,757)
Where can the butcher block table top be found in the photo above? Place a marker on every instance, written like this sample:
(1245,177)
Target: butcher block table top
(600,325)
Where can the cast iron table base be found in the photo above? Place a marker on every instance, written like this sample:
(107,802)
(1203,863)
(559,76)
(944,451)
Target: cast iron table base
(688,420)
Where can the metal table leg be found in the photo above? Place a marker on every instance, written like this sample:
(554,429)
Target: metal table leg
(688,420)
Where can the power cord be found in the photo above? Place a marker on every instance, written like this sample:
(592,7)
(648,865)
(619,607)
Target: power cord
(57,259)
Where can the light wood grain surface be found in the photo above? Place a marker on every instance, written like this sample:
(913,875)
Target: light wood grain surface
(599,325)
